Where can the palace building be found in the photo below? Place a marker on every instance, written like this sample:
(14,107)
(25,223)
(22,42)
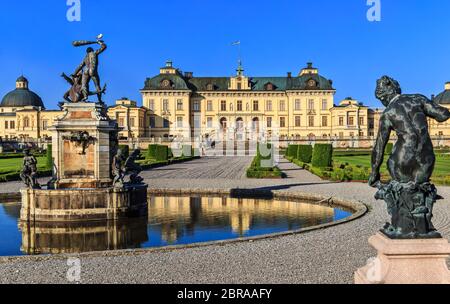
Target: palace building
(293,106)
(240,107)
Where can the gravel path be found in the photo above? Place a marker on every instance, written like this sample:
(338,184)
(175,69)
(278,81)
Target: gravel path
(322,256)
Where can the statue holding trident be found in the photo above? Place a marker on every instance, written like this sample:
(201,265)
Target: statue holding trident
(85,72)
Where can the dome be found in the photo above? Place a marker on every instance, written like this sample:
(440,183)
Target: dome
(444,97)
(22,96)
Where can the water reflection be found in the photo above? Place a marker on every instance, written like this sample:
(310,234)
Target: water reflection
(171,220)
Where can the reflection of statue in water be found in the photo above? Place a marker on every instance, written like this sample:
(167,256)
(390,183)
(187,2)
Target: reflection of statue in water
(410,196)
(133,169)
(29,171)
(85,72)
(117,169)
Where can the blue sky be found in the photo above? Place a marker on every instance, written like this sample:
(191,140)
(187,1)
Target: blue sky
(410,43)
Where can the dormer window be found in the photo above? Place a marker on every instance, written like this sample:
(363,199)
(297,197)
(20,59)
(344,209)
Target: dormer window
(270,87)
(311,83)
(210,87)
(166,83)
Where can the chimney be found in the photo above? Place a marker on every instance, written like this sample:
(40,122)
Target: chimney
(289,74)
(447,86)
(188,75)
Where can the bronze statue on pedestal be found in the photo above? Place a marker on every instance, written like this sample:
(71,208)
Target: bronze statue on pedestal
(410,196)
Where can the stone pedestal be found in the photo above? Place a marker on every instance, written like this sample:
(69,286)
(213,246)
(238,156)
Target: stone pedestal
(84,142)
(65,205)
(418,261)
(83,164)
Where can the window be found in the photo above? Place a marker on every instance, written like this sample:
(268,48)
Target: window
(297,121)
(361,121)
(12,124)
(269,122)
(6,125)
(298,105)
(239,86)
(324,104)
(351,121)
(180,105)
(179,122)
(151,104)
(352,134)
(341,134)
(282,105)
(166,123)
(209,122)
(132,120)
(311,121)
(361,134)
(44,124)
(282,122)
(152,122)
(324,121)
(165,105)
(121,122)
(196,106)
(209,106)
(269,105)
(223,105)
(255,105)
(311,104)
(239,105)
(341,121)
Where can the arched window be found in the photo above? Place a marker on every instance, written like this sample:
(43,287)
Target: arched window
(223,123)
(239,124)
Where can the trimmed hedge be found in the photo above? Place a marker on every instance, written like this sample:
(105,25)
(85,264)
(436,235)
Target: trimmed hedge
(162,153)
(322,156)
(125,150)
(292,151)
(49,157)
(304,153)
(151,152)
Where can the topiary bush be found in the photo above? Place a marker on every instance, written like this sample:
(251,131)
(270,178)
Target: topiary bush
(49,161)
(151,152)
(304,153)
(162,153)
(125,150)
(292,151)
(322,156)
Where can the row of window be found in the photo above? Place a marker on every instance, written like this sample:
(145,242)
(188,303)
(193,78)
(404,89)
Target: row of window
(311,104)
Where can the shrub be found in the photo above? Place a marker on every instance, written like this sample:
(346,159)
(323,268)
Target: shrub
(151,152)
(125,150)
(304,153)
(162,153)
(292,151)
(49,161)
(322,155)
(389,148)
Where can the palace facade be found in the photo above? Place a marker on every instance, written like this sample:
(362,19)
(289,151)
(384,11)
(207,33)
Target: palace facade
(180,105)
(294,106)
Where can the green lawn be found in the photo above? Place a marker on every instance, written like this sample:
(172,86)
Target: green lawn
(15,164)
(442,168)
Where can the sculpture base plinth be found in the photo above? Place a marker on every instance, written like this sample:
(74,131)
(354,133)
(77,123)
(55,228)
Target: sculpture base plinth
(420,261)
(83,204)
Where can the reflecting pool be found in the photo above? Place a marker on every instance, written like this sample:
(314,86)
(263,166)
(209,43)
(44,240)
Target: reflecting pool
(172,220)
